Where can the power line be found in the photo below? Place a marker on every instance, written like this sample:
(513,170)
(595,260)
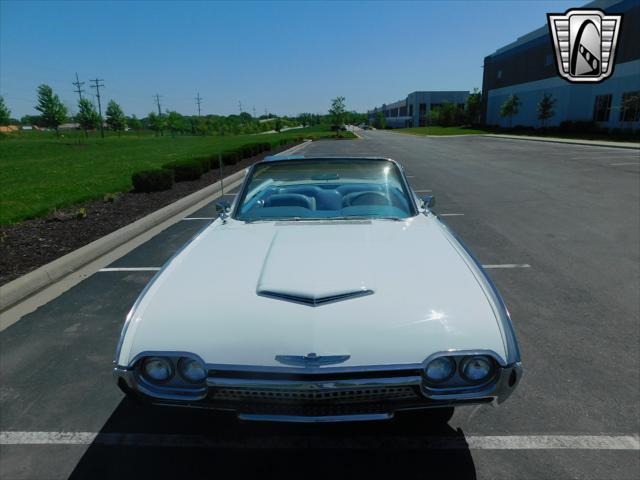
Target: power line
(78,84)
(198,100)
(97,85)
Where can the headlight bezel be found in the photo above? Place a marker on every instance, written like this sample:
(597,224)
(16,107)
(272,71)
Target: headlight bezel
(167,360)
(452,363)
(464,362)
(182,360)
(458,382)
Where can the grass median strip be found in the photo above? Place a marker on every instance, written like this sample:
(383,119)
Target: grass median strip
(41,173)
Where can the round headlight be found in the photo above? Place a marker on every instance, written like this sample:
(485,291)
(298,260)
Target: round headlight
(440,369)
(476,369)
(157,369)
(192,370)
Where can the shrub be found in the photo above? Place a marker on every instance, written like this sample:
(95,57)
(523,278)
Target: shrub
(230,157)
(185,170)
(152,180)
(205,162)
(579,126)
(266,146)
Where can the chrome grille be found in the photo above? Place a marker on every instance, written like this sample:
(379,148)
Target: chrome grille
(334,396)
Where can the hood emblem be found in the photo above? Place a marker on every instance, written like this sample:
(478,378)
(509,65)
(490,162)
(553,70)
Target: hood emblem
(313,301)
(311,359)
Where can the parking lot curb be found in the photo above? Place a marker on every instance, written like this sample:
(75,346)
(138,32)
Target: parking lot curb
(33,282)
(568,141)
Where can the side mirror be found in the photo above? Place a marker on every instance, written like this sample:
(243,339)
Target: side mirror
(223,206)
(429,201)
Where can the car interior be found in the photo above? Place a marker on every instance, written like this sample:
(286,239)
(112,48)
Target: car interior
(327,200)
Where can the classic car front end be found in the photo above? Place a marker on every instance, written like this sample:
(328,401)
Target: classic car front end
(328,293)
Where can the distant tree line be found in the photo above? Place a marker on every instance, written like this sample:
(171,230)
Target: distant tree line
(53,114)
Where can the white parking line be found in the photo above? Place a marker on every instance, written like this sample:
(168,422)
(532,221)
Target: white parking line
(423,191)
(198,218)
(508,265)
(473,442)
(451,214)
(130,269)
(623,163)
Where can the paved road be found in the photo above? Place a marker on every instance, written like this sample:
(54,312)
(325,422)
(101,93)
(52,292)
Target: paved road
(570,212)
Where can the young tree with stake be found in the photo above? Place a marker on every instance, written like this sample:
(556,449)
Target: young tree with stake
(510,107)
(337,112)
(87,116)
(5,113)
(545,108)
(52,109)
(115,117)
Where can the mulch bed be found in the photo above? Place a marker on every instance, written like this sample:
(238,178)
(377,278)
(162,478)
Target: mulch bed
(30,244)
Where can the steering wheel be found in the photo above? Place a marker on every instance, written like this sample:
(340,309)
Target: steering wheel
(368,198)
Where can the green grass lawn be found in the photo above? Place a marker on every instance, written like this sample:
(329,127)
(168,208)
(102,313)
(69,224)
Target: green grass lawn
(435,130)
(39,172)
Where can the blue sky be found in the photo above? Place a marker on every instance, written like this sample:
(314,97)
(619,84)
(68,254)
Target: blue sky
(288,57)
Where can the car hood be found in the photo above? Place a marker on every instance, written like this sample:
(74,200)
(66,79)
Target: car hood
(376,292)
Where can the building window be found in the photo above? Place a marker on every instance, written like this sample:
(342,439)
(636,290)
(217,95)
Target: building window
(499,75)
(602,108)
(548,60)
(630,107)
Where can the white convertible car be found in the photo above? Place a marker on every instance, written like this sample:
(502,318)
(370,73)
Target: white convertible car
(329,291)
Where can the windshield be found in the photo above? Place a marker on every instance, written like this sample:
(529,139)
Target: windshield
(326,188)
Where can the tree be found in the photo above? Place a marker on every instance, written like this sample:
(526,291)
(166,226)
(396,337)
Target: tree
(174,122)
(510,107)
(379,121)
(135,123)
(115,117)
(337,111)
(87,116)
(5,113)
(156,122)
(53,111)
(473,107)
(545,108)
(278,126)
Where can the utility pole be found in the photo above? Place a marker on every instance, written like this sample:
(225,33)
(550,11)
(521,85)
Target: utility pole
(157,99)
(254,111)
(78,84)
(198,100)
(240,106)
(97,85)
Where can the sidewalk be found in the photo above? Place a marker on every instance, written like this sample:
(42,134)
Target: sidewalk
(574,141)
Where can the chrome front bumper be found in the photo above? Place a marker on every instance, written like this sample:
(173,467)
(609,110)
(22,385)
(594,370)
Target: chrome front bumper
(318,397)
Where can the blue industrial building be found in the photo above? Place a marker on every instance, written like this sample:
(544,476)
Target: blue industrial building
(526,68)
(413,110)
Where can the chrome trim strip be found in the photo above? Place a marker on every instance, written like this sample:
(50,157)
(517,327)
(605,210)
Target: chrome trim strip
(365,417)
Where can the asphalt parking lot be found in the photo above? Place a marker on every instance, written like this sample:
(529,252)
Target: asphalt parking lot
(559,223)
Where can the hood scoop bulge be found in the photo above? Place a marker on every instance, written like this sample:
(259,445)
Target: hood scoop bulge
(315,273)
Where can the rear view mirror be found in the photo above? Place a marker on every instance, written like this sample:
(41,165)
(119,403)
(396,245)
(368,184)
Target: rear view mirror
(429,201)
